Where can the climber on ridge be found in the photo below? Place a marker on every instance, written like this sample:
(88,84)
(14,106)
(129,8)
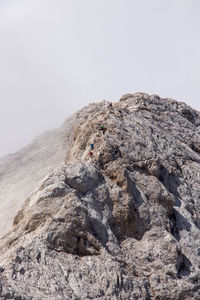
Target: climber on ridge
(92,146)
(103,129)
(90,153)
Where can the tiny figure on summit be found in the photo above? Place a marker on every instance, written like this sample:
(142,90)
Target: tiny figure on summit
(92,146)
(90,154)
(109,105)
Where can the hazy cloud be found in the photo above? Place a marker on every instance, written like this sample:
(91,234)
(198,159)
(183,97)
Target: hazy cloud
(56,56)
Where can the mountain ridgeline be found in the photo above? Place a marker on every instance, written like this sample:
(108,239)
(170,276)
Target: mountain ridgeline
(105,207)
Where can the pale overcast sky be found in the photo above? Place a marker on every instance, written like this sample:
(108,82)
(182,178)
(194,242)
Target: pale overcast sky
(58,55)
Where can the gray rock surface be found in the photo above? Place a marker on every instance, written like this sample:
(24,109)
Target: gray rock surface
(123,223)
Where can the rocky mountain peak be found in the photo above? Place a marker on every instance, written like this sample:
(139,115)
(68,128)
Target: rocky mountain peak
(117,215)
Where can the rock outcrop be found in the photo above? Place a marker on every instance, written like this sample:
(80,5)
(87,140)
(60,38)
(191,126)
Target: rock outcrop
(120,222)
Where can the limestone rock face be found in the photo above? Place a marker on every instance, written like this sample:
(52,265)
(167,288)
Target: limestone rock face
(120,218)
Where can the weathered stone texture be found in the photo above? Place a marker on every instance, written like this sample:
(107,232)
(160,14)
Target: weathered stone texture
(123,223)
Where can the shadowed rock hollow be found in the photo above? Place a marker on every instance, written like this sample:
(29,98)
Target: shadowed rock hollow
(123,223)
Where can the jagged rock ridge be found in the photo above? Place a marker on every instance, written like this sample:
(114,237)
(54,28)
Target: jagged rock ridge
(120,224)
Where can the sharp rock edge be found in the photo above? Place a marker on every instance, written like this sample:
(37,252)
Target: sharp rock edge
(120,223)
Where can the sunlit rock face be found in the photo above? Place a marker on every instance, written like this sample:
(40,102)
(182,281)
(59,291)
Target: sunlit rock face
(116,215)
